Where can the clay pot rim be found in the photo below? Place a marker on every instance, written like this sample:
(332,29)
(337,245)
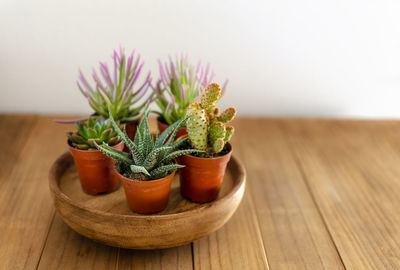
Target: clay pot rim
(146,181)
(233,192)
(87,150)
(211,158)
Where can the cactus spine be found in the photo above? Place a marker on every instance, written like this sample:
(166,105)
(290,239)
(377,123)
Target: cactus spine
(207,127)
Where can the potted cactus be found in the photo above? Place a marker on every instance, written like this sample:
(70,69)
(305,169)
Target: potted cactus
(147,170)
(208,131)
(94,168)
(179,85)
(118,89)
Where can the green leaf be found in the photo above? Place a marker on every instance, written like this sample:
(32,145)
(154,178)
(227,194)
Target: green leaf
(172,128)
(178,153)
(139,169)
(151,159)
(124,137)
(177,144)
(163,170)
(113,153)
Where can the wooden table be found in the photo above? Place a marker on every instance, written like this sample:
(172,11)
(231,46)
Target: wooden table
(321,194)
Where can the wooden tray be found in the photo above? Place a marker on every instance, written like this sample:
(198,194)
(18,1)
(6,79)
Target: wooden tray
(108,219)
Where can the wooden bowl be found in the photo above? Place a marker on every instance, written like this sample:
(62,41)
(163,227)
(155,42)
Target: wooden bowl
(108,219)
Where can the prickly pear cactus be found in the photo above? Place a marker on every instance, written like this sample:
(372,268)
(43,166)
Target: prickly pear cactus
(197,126)
(206,126)
(210,97)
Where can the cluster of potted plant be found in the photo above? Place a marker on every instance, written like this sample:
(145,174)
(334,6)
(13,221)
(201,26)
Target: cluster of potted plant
(194,136)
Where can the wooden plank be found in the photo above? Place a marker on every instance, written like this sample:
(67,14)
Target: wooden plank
(65,249)
(25,204)
(352,169)
(14,131)
(237,245)
(171,258)
(293,231)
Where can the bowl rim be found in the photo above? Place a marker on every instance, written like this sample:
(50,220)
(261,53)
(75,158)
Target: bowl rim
(55,190)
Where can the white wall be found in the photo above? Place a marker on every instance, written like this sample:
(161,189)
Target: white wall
(306,58)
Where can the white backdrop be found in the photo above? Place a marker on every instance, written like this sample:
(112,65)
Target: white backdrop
(287,58)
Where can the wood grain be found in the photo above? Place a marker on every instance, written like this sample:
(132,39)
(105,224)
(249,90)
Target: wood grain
(65,249)
(352,169)
(293,231)
(14,131)
(320,194)
(25,206)
(178,258)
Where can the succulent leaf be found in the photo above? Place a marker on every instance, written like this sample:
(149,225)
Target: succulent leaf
(127,102)
(227,115)
(92,129)
(210,97)
(139,169)
(179,85)
(113,153)
(164,170)
(218,145)
(148,159)
(217,131)
(197,126)
(229,132)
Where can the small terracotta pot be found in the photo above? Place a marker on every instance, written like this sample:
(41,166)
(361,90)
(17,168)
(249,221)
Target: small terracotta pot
(130,128)
(163,126)
(95,170)
(201,178)
(147,197)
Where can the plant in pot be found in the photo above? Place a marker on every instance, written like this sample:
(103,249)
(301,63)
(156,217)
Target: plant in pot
(94,168)
(179,85)
(148,169)
(117,88)
(202,176)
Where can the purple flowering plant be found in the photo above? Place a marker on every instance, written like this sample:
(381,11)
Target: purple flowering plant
(179,85)
(117,88)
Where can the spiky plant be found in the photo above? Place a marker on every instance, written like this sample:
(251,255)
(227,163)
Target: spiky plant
(93,130)
(117,88)
(206,127)
(150,157)
(179,85)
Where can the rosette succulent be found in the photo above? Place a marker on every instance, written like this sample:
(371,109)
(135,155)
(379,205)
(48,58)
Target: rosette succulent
(207,127)
(179,85)
(117,88)
(150,157)
(93,130)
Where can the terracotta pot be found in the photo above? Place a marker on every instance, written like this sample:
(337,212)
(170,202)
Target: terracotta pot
(163,126)
(201,178)
(96,170)
(147,197)
(130,128)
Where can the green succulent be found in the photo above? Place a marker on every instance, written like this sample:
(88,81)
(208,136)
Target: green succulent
(96,129)
(117,88)
(206,127)
(150,157)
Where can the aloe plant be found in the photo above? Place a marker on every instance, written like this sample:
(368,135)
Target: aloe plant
(93,130)
(179,85)
(207,127)
(150,157)
(117,88)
